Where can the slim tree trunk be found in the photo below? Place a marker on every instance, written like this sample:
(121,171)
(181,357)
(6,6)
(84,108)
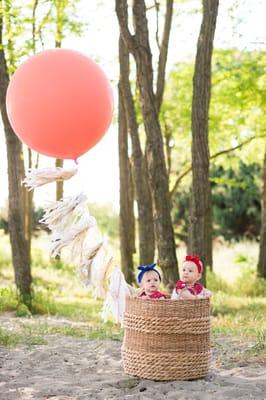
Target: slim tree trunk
(138,45)
(142,190)
(59,184)
(200,237)
(261,268)
(60,13)
(19,246)
(28,194)
(126,217)
(28,208)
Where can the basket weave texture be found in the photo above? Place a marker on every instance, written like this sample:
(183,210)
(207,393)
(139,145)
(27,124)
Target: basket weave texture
(166,339)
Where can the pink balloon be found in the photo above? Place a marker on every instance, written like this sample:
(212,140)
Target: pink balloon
(59,103)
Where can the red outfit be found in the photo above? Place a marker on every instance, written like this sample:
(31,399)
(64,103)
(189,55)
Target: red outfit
(195,289)
(154,295)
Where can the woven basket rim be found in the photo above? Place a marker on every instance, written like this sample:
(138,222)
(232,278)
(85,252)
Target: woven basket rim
(170,301)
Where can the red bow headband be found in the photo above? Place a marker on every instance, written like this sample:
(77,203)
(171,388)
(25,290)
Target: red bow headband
(195,260)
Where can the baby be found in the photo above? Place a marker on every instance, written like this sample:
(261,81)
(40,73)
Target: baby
(149,280)
(189,287)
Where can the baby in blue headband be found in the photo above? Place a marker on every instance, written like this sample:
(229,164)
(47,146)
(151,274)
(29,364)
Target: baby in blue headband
(149,280)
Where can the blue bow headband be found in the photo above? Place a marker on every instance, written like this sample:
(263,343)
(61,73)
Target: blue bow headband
(146,268)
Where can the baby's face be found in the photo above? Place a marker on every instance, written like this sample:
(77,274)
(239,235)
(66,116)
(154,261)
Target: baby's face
(190,273)
(150,282)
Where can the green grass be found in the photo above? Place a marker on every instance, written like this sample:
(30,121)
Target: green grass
(8,338)
(238,303)
(243,317)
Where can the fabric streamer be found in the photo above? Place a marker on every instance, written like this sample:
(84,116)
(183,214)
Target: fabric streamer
(99,268)
(60,214)
(73,227)
(42,176)
(118,290)
(75,237)
(85,268)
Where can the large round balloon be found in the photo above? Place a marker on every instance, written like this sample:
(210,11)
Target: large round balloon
(59,103)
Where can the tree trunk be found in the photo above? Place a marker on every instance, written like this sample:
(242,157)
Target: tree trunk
(139,46)
(19,246)
(200,237)
(59,184)
(28,210)
(261,268)
(59,8)
(142,190)
(126,217)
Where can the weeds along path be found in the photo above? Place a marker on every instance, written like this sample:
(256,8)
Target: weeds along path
(40,366)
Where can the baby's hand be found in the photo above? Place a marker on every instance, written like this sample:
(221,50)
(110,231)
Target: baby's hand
(185,294)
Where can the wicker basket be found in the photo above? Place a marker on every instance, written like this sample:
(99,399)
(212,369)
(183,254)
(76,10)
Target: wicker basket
(166,339)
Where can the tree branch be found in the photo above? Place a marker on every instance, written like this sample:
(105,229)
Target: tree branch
(189,169)
(122,15)
(163,53)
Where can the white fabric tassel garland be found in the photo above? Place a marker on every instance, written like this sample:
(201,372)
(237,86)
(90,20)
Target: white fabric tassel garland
(60,214)
(118,290)
(40,177)
(99,268)
(73,227)
(75,237)
(85,268)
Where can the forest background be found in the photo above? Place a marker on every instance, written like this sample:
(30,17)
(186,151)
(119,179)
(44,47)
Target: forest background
(235,252)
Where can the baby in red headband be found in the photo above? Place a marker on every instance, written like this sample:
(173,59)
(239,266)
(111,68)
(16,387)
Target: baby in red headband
(189,287)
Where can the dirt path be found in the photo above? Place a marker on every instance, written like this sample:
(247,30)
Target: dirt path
(67,368)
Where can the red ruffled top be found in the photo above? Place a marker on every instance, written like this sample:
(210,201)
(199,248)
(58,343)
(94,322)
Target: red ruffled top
(154,295)
(195,289)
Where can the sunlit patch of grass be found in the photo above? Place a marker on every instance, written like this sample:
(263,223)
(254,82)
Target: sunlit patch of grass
(90,331)
(237,308)
(230,259)
(8,299)
(217,284)
(249,284)
(240,316)
(8,338)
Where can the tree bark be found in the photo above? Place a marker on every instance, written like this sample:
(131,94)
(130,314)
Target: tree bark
(28,208)
(261,268)
(200,235)
(59,184)
(126,217)
(139,46)
(59,8)
(142,190)
(19,246)
(163,54)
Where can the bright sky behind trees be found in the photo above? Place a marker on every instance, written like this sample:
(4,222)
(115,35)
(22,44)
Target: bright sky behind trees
(241,25)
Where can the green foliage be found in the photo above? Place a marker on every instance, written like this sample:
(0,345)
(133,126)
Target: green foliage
(28,28)
(237,309)
(236,110)
(235,201)
(8,339)
(8,299)
(261,341)
(106,218)
(217,284)
(23,311)
(249,284)
(240,316)
(241,258)
(238,87)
